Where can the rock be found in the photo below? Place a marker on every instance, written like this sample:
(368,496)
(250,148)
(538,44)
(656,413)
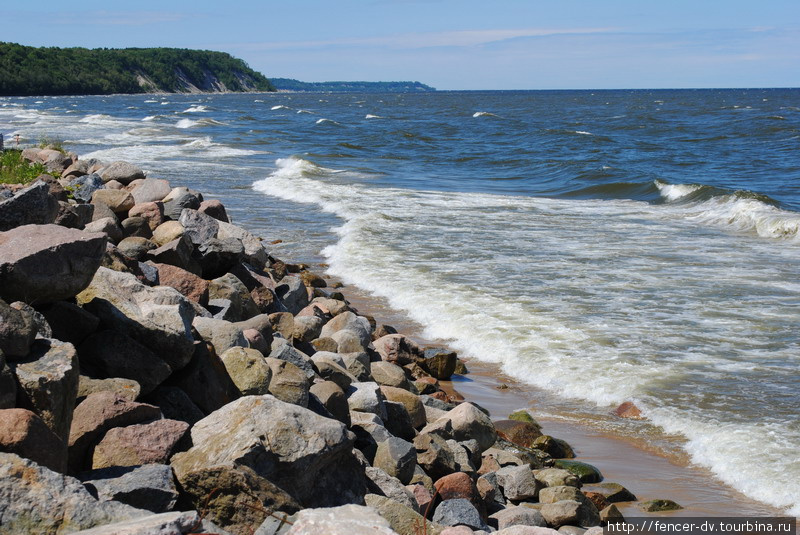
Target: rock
(127,389)
(520,433)
(107,226)
(17,331)
(136,226)
(153,213)
(459,530)
(139,444)
(652,506)
(434,455)
(560,493)
(249,371)
(333,399)
(151,190)
(357,363)
(342,520)
(159,318)
(389,486)
(55,161)
(74,215)
(585,472)
(333,306)
(388,374)
(398,349)
(350,322)
(170,523)
(460,485)
(490,491)
(218,257)
(70,322)
(46,263)
(113,354)
(283,351)
(517,482)
(570,512)
(465,422)
(34,499)
(611,514)
(518,516)
(122,172)
(22,432)
(261,442)
(174,204)
(8,385)
(398,421)
(119,201)
(30,206)
(254,252)
(397,458)
(403,519)
(231,288)
(215,209)
(221,334)
(198,227)
(258,341)
(83,187)
(556,477)
(175,404)
(205,380)
(48,383)
(189,285)
(292,293)
(307,328)
(439,363)
(167,232)
(411,402)
(149,487)
(95,415)
(615,493)
(136,247)
(331,371)
(597,499)
(459,512)
(178,253)
(366,397)
(288,383)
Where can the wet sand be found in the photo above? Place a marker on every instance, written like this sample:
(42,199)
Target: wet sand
(646,471)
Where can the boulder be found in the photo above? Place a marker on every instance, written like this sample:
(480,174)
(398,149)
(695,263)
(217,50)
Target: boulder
(149,487)
(254,252)
(18,330)
(35,499)
(176,404)
(398,421)
(307,328)
(139,444)
(397,349)
(217,257)
(586,473)
(440,363)
(122,172)
(177,252)
(70,322)
(108,226)
(556,477)
(411,402)
(167,232)
(389,486)
(657,505)
(159,318)
(198,227)
(357,363)
(152,212)
(120,201)
(282,350)
(459,512)
(47,382)
(151,190)
(221,334)
(615,493)
(465,422)
(555,447)
(95,415)
(261,442)
(55,160)
(366,397)
(557,494)
(188,284)
(396,457)
(292,293)
(434,455)
(30,206)
(24,433)
(520,433)
(113,354)
(611,514)
(136,226)
(518,516)
(83,187)
(125,388)
(46,263)
(176,202)
(248,370)
(348,321)
(518,483)
(330,370)
(570,512)
(403,519)
(74,215)
(333,399)
(283,323)
(460,485)
(388,374)
(342,520)
(288,383)
(136,247)
(205,380)
(215,209)
(231,288)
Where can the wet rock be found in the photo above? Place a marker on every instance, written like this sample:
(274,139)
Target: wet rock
(46,263)
(652,506)
(113,354)
(440,363)
(47,382)
(586,473)
(615,493)
(457,512)
(521,433)
(139,444)
(24,433)
(149,487)
(159,318)
(32,205)
(249,371)
(556,477)
(556,448)
(35,499)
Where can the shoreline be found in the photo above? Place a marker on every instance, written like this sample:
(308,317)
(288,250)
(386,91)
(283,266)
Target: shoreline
(638,466)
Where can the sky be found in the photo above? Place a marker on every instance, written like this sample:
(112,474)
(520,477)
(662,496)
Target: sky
(450,44)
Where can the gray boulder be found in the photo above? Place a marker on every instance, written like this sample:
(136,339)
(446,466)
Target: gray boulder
(48,383)
(254,252)
(148,487)
(231,288)
(151,190)
(172,523)
(282,350)
(17,331)
(332,397)
(34,499)
(205,380)
(465,422)
(122,172)
(342,520)
(459,512)
(396,457)
(159,318)
(31,205)
(518,516)
(249,371)
(221,334)
(292,293)
(570,512)
(175,203)
(217,257)
(404,519)
(46,263)
(389,486)
(198,227)
(518,483)
(366,397)
(83,187)
(288,382)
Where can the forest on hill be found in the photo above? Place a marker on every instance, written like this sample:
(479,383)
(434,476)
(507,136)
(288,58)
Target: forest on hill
(26,70)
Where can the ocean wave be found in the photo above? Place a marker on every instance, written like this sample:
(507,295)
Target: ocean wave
(98,119)
(483,114)
(371,116)
(190,123)
(196,109)
(328,121)
(280,107)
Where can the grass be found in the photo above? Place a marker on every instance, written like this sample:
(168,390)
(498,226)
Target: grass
(15,170)
(52,143)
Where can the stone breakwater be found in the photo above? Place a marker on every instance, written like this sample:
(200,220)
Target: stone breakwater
(161,372)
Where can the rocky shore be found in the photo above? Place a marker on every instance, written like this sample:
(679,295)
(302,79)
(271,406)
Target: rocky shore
(162,373)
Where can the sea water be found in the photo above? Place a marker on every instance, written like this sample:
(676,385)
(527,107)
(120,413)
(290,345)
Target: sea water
(600,246)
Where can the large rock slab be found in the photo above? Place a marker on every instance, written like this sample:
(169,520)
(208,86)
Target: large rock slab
(172,523)
(205,380)
(46,263)
(48,383)
(459,511)
(260,438)
(159,318)
(30,206)
(148,487)
(396,457)
(35,499)
(24,433)
(288,382)
(139,444)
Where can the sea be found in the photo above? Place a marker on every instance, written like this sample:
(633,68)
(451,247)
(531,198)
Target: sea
(596,246)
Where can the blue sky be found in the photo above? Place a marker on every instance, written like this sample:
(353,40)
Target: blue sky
(451,44)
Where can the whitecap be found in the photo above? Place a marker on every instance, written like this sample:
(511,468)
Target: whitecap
(483,114)
(280,107)
(186,123)
(196,109)
(371,116)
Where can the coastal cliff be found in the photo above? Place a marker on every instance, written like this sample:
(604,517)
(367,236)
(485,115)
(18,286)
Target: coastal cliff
(26,70)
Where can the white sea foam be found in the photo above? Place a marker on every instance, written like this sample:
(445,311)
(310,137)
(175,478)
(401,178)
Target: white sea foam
(150,118)
(583,133)
(280,107)
(674,192)
(483,114)
(305,111)
(196,109)
(569,322)
(151,101)
(371,116)
(186,123)
(327,121)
